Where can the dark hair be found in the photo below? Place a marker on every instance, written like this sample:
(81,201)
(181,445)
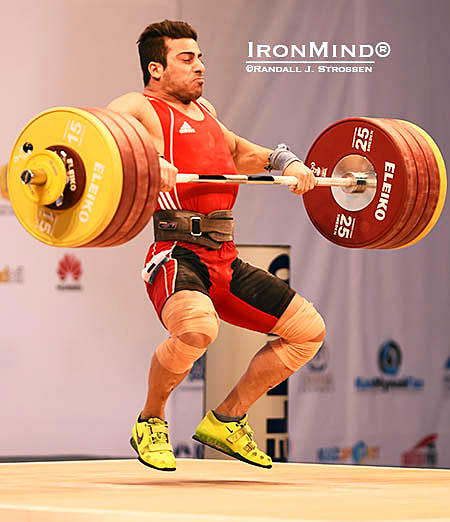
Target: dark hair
(152,46)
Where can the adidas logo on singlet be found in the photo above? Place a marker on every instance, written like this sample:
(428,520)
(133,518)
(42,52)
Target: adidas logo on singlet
(186,128)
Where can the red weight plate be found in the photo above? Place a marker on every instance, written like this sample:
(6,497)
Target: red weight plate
(129,181)
(151,176)
(139,190)
(143,188)
(408,219)
(422,179)
(432,189)
(391,160)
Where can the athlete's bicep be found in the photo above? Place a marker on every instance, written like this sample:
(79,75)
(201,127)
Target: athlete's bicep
(231,139)
(248,157)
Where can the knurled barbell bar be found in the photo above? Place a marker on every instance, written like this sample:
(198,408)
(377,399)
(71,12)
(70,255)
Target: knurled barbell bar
(90,177)
(353,181)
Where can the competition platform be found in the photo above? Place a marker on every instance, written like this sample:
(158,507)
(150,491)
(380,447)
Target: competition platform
(220,491)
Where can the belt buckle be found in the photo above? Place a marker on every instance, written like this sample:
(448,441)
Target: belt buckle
(195,226)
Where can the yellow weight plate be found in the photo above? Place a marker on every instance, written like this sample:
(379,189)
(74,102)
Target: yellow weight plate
(3,183)
(77,130)
(49,163)
(442,186)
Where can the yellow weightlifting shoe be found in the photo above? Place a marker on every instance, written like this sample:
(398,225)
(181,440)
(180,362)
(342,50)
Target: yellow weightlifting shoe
(232,438)
(150,440)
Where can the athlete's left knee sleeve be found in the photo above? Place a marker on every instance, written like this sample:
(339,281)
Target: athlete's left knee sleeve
(301,330)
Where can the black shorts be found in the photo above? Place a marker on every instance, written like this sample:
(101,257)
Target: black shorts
(242,294)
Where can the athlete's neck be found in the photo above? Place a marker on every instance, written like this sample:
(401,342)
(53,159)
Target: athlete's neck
(189,109)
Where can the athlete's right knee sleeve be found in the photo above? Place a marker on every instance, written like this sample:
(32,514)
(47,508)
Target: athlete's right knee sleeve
(187,315)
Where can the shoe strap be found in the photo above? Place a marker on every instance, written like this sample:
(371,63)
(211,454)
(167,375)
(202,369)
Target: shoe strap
(250,446)
(160,446)
(159,428)
(245,430)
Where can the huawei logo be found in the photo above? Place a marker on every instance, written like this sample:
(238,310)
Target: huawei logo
(69,266)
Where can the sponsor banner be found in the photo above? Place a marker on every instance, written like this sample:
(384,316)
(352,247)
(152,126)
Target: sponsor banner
(389,362)
(446,379)
(358,453)
(369,406)
(11,274)
(423,454)
(316,376)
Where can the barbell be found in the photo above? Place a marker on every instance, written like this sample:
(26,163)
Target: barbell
(90,177)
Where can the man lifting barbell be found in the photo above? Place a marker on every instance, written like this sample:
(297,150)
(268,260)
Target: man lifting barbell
(194,277)
(92,177)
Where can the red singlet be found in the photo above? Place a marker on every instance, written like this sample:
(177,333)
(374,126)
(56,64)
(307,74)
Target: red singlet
(242,295)
(195,147)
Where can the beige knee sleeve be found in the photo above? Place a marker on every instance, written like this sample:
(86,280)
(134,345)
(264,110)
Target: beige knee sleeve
(187,315)
(301,330)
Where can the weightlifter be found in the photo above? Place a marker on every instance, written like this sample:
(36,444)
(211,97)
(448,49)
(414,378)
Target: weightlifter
(192,271)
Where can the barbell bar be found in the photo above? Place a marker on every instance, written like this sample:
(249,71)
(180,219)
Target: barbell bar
(352,180)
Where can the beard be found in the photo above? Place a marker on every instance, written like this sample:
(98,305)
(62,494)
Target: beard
(186,94)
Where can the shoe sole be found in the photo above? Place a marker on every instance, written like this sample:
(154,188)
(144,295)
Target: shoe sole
(229,452)
(134,446)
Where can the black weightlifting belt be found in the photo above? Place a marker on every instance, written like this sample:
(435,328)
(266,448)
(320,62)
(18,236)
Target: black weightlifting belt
(209,230)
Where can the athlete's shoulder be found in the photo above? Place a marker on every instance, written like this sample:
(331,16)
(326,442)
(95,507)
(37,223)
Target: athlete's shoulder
(134,103)
(129,99)
(130,102)
(208,105)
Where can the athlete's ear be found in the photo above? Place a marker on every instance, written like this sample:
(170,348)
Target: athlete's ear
(155,69)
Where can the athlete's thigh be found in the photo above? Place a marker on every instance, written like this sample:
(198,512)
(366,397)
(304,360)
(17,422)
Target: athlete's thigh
(178,269)
(254,298)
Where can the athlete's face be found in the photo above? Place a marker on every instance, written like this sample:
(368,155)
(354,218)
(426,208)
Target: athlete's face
(183,77)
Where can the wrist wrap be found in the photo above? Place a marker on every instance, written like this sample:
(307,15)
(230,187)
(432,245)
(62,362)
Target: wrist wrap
(281,158)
